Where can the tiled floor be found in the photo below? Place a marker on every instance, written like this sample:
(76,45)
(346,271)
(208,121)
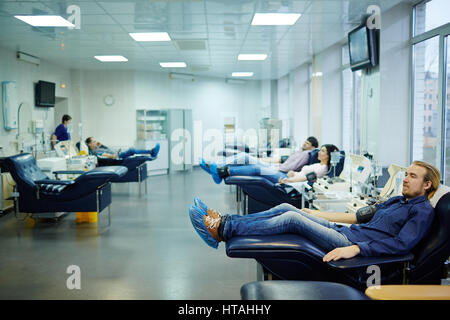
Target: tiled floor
(150,251)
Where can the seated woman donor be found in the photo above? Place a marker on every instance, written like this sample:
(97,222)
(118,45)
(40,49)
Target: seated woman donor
(390,228)
(100,150)
(273,175)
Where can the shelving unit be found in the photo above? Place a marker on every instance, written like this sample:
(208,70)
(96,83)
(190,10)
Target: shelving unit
(151,124)
(151,128)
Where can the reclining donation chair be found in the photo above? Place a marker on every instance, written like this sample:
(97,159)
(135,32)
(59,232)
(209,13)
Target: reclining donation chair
(136,165)
(293,257)
(91,191)
(262,194)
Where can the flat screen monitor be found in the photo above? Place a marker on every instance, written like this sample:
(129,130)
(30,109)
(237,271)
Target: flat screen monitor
(45,94)
(362,44)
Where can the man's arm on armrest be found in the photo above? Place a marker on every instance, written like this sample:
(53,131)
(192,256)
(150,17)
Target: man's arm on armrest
(109,155)
(271,160)
(340,217)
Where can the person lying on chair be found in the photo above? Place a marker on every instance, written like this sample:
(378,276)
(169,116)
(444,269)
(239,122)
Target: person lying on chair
(390,228)
(272,174)
(100,150)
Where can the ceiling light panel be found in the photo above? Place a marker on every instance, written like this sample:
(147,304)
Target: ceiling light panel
(111,58)
(172,64)
(150,36)
(275,19)
(242,74)
(45,21)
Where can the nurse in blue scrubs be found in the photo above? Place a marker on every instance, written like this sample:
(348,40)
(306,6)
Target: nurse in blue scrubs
(61,132)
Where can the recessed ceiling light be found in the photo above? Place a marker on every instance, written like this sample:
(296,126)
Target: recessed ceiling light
(275,19)
(242,74)
(150,36)
(111,58)
(45,21)
(252,56)
(173,64)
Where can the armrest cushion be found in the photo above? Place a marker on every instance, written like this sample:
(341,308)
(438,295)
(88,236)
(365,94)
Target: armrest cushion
(282,246)
(361,262)
(247,180)
(108,172)
(136,161)
(69,172)
(54,182)
(109,162)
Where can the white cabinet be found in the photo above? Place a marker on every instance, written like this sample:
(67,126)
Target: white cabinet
(161,164)
(151,128)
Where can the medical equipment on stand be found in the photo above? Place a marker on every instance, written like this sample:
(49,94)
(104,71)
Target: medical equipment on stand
(269,135)
(10,105)
(332,194)
(37,130)
(69,152)
(356,170)
(335,157)
(50,165)
(393,187)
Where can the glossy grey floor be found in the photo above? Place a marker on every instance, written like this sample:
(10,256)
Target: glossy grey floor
(150,251)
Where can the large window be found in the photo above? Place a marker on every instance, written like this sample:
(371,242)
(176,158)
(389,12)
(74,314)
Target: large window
(425,120)
(357,102)
(351,105)
(347,103)
(447,113)
(431,14)
(430,138)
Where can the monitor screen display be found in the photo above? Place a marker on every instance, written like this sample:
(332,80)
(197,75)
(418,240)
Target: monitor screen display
(359,47)
(45,94)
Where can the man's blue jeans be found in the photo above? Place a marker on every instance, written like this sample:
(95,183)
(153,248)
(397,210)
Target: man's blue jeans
(285,218)
(131,152)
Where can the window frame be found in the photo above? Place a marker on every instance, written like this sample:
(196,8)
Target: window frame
(443,32)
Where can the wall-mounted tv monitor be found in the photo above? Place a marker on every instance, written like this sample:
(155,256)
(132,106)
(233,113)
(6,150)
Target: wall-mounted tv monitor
(45,94)
(362,45)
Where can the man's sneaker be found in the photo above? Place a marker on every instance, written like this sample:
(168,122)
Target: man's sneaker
(155,150)
(198,221)
(203,165)
(210,212)
(212,225)
(214,172)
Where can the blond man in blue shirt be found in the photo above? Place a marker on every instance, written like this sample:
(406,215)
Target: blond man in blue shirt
(390,228)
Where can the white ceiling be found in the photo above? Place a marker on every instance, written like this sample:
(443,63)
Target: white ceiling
(222,26)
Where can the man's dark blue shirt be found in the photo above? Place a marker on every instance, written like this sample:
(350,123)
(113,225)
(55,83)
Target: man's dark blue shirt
(397,226)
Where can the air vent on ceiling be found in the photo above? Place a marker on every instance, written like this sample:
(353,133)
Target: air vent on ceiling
(191,44)
(199,67)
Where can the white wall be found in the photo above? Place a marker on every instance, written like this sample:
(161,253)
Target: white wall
(327,96)
(300,100)
(113,125)
(395,57)
(386,92)
(284,112)
(26,75)
(210,100)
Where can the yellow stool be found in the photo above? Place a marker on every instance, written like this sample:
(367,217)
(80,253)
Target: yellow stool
(409,292)
(90,217)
